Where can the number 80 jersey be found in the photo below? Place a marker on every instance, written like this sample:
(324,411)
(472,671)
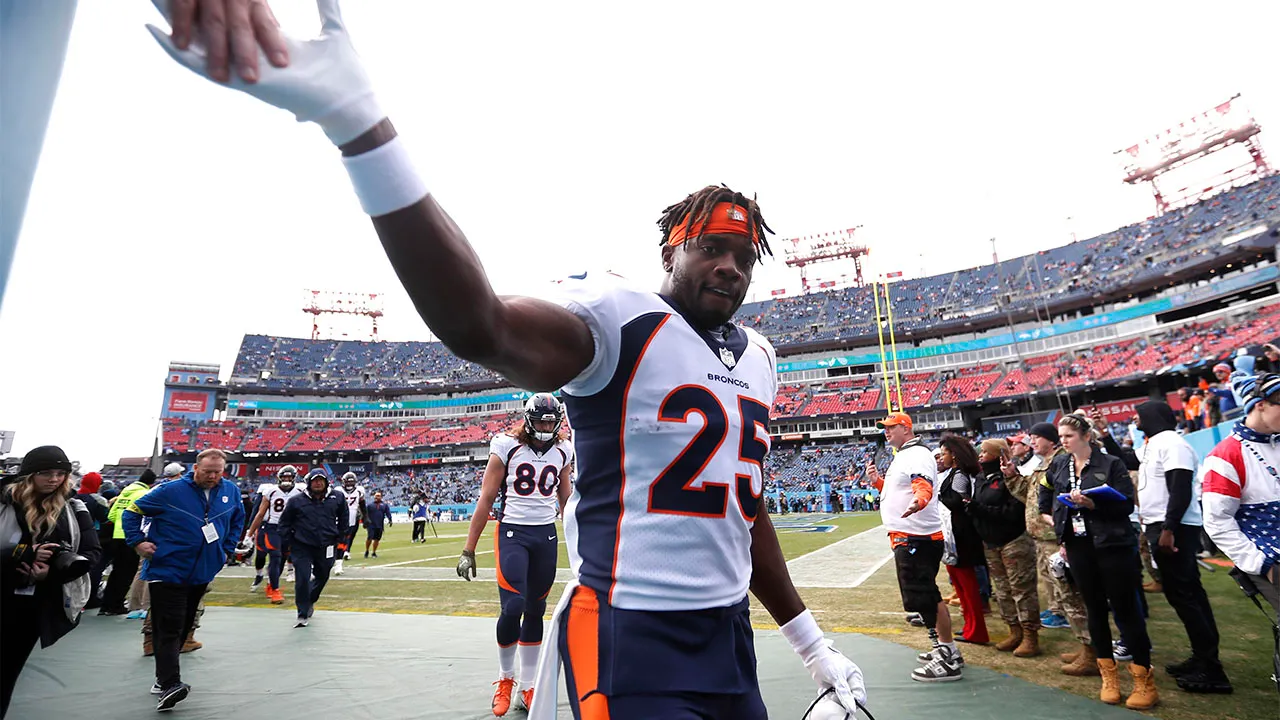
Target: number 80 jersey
(671,426)
(528,492)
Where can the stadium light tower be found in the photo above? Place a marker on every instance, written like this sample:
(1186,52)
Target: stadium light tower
(823,248)
(333,303)
(1205,134)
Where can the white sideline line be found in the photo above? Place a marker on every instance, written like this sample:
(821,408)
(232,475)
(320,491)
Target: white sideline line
(879,528)
(866,575)
(418,560)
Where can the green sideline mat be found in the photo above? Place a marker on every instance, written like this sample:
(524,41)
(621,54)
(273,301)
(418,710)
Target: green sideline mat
(255,666)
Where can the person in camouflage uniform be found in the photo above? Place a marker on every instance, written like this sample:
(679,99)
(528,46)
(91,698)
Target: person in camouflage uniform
(1066,599)
(999,518)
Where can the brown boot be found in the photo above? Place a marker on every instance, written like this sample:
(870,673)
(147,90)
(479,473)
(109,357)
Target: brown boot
(1070,657)
(1085,664)
(1110,693)
(1030,645)
(1144,696)
(191,643)
(1013,641)
(147,650)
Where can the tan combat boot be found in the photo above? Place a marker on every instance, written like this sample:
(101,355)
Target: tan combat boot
(1144,695)
(1085,663)
(1030,645)
(1011,642)
(1110,693)
(192,643)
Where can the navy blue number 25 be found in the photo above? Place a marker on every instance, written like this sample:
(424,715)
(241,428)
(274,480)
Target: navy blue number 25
(673,491)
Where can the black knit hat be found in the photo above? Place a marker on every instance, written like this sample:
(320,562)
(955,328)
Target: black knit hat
(1046,431)
(45,457)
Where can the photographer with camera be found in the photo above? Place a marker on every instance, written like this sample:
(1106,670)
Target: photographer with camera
(47,546)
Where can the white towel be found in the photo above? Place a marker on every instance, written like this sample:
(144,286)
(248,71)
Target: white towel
(547,680)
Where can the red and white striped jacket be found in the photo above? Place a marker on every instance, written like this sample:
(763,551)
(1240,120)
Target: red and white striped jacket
(1241,499)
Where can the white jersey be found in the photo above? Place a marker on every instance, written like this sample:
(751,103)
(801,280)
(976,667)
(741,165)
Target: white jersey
(1163,452)
(528,492)
(355,501)
(671,427)
(276,500)
(913,462)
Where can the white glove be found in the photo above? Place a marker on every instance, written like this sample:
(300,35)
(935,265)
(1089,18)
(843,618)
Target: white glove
(829,668)
(324,83)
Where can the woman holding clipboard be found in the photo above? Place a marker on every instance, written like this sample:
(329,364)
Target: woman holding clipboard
(1090,498)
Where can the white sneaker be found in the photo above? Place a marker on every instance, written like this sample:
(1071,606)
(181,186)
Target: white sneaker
(156,689)
(945,667)
(288,574)
(257,584)
(337,567)
(934,654)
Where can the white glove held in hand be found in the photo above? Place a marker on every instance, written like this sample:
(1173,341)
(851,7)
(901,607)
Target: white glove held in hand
(829,668)
(324,82)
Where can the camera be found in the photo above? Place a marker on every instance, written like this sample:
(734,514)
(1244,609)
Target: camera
(67,562)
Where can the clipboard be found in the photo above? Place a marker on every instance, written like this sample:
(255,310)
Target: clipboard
(1104,492)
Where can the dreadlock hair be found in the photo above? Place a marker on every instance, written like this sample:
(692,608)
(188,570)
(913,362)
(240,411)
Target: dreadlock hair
(699,205)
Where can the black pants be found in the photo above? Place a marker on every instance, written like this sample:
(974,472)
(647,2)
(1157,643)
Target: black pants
(1180,577)
(917,562)
(419,529)
(1107,575)
(172,615)
(309,559)
(21,632)
(124,565)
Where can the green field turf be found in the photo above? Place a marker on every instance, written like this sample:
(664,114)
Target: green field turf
(872,608)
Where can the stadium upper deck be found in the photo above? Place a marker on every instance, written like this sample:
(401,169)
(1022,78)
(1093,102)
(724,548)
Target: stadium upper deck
(1140,258)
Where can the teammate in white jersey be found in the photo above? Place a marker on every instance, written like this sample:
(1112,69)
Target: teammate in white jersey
(265,528)
(528,477)
(355,515)
(669,400)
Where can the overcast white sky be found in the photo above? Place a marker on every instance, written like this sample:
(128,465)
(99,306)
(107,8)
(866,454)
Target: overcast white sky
(169,217)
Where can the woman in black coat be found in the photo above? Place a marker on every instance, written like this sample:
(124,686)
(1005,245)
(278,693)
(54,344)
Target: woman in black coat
(958,466)
(38,556)
(1101,547)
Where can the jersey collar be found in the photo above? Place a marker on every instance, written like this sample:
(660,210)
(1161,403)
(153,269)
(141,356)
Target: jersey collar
(728,342)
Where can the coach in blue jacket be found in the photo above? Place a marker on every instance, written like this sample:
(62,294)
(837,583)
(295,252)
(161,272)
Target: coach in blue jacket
(195,522)
(311,526)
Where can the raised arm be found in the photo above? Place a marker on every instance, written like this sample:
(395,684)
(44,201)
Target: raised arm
(534,344)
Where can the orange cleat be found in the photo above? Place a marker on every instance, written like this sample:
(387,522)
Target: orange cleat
(276,597)
(526,697)
(502,696)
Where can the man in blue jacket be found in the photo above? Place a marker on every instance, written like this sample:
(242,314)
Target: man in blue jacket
(196,522)
(375,514)
(312,525)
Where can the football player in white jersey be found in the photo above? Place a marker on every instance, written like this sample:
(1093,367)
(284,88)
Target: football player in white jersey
(265,528)
(355,516)
(670,404)
(528,478)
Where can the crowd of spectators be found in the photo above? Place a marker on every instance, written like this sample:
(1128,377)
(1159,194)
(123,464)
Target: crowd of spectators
(1132,256)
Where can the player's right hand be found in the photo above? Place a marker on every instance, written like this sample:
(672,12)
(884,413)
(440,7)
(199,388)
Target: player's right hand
(467,565)
(324,82)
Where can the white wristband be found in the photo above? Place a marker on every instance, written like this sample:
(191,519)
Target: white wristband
(384,178)
(803,634)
